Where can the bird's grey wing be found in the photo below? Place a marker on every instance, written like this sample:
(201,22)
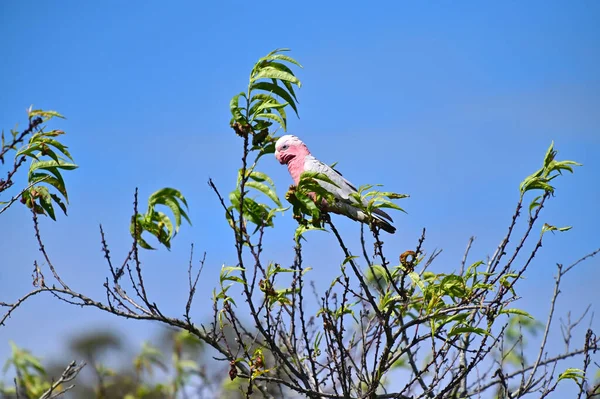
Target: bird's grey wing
(344,187)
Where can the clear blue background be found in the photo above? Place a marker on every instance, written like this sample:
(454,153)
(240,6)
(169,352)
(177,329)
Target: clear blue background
(453,103)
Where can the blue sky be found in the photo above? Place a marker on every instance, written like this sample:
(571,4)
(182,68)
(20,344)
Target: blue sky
(453,103)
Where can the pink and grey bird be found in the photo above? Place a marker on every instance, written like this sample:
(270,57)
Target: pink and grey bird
(291,151)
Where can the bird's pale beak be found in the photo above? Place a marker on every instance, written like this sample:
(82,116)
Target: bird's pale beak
(278,157)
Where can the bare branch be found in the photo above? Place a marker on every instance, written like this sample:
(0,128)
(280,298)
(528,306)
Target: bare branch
(68,375)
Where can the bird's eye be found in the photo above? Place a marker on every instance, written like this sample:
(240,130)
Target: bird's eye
(284,147)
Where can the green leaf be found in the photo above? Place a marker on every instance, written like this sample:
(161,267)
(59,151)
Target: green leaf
(454,286)
(255,212)
(273,73)
(270,104)
(534,204)
(467,330)
(283,57)
(392,195)
(168,196)
(29,150)
(389,205)
(178,212)
(546,227)
(259,98)
(306,201)
(307,175)
(47,165)
(157,223)
(189,365)
(263,188)
(278,90)
(270,64)
(154,229)
(301,229)
(541,178)
(376,272)
(572,374)
(57,144)
(346,309)
(234,107)
(167,192)
(277,50)
(517,312)
(417,280)
(226,274)
(290,88)
(262,106)
(564,165)
(261,177)
(348,259)
(459,318)
(51,133)
(311,186)
(472,269)
(59,202)
(231,268)
(46,115)
(163,221)
(274,117)
(58,184)
(233,278)
(54,172)
(45,200)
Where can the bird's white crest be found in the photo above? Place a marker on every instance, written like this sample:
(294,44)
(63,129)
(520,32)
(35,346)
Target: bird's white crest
(288,139)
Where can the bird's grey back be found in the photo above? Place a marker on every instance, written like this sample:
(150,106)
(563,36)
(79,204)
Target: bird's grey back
(344,189)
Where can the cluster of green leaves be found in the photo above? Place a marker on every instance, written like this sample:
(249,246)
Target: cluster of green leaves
(595,390)
(31,375)
(158,223)
(226,280)
(551,168)
(48,158)
(441,291)
(267,286)
(574,374)
(433,294)
(305,198)
(308,196)
(542,178)
(148,358)
(369,200)
(258,213)
(151,359)
(346,309)
(184,368)
(257,364)
(547,227)
(270,91)
(33,379)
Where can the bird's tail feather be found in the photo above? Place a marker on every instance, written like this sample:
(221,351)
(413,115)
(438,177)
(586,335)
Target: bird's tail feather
(384,224)
(383,214)
(355,213)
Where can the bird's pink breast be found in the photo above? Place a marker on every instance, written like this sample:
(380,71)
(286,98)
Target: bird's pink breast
(296,167)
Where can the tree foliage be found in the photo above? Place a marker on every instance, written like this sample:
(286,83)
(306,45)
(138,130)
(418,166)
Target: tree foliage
(388,326)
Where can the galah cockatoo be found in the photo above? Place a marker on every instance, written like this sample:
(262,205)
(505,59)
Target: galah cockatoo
(291,151)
